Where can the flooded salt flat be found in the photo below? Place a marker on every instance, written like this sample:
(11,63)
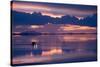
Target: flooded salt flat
(50,47)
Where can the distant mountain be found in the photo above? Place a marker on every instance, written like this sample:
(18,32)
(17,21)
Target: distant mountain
(20,18)
(27,33)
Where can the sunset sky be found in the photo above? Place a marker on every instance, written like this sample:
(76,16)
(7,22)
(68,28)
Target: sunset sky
(54,28)
(54,10)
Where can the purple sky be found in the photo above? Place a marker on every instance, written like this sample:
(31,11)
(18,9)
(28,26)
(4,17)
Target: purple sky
(54,10)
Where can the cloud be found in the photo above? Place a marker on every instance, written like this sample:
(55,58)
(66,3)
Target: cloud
(55,28)
(77,29)
(54,10)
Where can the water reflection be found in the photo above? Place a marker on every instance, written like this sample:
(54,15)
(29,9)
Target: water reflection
(53,46)
(79,38)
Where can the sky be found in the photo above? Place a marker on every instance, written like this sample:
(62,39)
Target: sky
(54,9)
(54,28)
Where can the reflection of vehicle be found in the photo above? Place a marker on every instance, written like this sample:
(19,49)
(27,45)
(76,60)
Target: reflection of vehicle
(35,49)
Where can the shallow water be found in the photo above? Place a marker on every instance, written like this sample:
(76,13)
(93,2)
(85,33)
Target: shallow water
(53,46)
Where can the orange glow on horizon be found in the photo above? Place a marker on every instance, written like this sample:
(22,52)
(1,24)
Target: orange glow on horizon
(76,27)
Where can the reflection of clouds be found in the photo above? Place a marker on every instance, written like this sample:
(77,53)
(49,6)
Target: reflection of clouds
(78,38)
(30,59)
(51,43)
(52,52)
(69,57)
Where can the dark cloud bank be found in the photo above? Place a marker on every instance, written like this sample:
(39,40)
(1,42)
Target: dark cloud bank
(20,18)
